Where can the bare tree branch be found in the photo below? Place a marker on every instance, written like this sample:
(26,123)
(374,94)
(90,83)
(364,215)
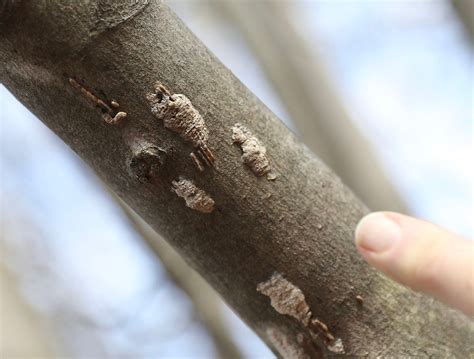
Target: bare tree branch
(288,237)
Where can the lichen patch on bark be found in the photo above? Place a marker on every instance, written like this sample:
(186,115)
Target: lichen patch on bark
(286,298)
(254,153)
(179,115)
(194,197)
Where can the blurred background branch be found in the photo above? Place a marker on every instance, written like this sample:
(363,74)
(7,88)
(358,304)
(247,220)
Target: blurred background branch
(303,85)
(465,11)
(23,331)
(207,303)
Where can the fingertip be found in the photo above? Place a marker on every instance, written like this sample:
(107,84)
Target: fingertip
(376,233)
(420,255)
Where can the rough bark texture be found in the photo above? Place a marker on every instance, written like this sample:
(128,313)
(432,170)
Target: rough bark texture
(300,225)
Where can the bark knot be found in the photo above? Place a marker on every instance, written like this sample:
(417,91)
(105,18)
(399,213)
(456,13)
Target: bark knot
(145,162)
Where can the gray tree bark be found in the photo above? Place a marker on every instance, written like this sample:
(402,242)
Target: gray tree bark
(299,225)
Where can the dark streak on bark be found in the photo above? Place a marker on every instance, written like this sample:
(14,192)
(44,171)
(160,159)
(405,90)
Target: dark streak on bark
(7,7)
(245,239)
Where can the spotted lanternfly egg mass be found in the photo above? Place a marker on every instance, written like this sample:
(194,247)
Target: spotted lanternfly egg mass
(254,154)
(179,115)
(194,197)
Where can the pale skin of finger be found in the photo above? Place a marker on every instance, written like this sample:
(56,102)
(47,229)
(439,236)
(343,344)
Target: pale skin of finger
(420,255)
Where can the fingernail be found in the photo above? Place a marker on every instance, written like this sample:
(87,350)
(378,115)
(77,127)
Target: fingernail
(377,233)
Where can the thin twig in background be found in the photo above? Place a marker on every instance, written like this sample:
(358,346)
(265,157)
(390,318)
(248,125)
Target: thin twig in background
(465,12)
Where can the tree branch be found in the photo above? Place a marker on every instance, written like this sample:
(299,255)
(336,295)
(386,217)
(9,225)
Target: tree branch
(300,224)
